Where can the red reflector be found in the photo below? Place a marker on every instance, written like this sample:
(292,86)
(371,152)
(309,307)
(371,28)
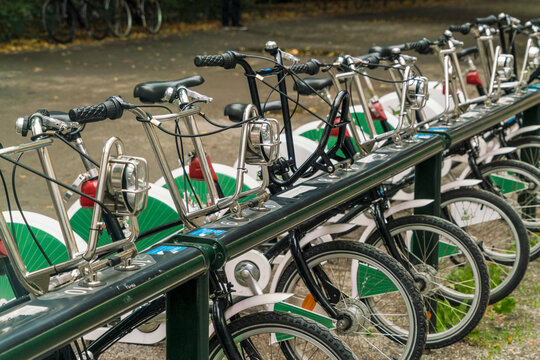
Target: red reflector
(377,112)
(89,188)
(195,171)
(473,78)
(3,252)
(335,131)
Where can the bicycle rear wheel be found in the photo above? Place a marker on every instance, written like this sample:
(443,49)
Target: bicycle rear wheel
(119,18)
(95,17)
(59,20)
(279,335)
(151,15)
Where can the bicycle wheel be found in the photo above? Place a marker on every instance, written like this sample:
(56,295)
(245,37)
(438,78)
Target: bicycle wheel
(59,20)
(280,335)
(519,184)
(498,231)
(528,149)
(119,19)
(389,319)
(95,19)
(151,15)
(456,291)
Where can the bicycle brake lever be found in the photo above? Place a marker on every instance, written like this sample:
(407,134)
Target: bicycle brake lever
(288,56)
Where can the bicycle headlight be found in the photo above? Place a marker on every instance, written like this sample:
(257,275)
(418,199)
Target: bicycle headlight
(417,92)
(533,57)
(263,142)
(128,184)
(505,63)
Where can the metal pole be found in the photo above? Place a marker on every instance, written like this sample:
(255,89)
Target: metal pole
(427,185)
(187,320)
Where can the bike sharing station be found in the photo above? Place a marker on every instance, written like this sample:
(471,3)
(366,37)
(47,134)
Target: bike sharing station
(34,326)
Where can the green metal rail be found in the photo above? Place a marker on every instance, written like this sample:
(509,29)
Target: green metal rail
(34,328)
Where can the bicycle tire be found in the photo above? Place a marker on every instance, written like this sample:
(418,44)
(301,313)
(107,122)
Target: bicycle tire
(512,174)
(59,25)
(458,288)
(399,316)
(528,148)
(119,17)
(95,18)
(499,232)
(268,323)
(151,15)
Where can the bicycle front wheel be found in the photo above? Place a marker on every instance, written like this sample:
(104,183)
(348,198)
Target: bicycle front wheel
(449,270)
(151,15)
(280,335)
(498,231)
(59,20)
(389,318)
(119,19)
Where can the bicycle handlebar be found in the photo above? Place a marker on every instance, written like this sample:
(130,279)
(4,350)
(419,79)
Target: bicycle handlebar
(535,22)
(463,28)
(310,67)
(109,109)
(488,20)
(226,60)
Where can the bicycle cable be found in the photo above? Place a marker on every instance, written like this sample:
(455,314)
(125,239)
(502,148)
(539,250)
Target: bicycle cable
(19,207)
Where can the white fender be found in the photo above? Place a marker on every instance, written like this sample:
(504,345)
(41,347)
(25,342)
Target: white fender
(134,337)
(371,227)
(320,232)
(523,130)
(499,151)
(257,300)
(460,183)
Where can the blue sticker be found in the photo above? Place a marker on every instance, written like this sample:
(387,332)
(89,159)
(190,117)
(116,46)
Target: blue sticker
(533,89)
(438,129)
(423,136)
(166,248)
(207,232)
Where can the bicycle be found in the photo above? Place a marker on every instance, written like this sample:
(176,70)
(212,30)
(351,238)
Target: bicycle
(61,17)
(120,16)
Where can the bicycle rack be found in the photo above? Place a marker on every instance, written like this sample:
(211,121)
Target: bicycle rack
(179,267)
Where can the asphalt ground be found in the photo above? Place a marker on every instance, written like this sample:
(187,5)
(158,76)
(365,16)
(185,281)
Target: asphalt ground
(85,74)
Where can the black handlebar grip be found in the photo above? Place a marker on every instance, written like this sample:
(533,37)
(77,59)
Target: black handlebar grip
(226,60)
(423,46)
(489,20)
(371,60)
(109,109)
(535,22)
(464,28)
(310,67)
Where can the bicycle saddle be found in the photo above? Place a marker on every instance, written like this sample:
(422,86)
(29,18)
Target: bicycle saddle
(316,83)
(153,91)
(467,51)
(235,111)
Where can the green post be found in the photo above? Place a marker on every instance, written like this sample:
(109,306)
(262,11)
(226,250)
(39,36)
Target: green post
(427,185)
(531,116)
(187,320)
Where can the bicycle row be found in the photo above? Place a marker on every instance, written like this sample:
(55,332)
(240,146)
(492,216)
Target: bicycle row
(62,18)
(406,282)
